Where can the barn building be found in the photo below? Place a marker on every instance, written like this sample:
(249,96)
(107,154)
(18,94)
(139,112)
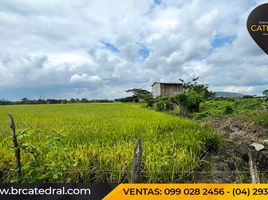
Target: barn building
(166,89)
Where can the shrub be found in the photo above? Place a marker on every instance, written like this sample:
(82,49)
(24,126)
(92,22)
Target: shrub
(228,109)
(219,108)
(149,100)
(164,104)
(188,101)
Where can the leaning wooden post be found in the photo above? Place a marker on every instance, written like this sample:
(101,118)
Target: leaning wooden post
(15,143)
(253,166)
(136,167)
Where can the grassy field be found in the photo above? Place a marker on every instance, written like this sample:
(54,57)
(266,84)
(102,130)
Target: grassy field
(95,143)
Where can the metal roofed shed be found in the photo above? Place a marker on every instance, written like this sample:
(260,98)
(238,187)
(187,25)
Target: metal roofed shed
(166,89)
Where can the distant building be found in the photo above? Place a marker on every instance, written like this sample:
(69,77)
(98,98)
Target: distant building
(166,89)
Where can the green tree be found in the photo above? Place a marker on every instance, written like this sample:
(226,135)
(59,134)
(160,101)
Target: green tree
(84,100)
(189,101)
(140,94)
(199,88)
(24,100)
(194,93)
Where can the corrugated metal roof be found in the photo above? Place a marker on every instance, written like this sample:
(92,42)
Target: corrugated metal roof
(162,83)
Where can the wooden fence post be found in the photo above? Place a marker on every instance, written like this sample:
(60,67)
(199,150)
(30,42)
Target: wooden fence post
(253,166)
(15,143)
(136,167)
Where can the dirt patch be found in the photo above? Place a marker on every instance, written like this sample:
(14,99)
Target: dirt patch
(240,131)
(231,163)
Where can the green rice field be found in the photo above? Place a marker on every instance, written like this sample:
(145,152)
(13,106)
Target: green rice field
(95,143)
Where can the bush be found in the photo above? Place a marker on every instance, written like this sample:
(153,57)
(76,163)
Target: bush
(228,110)
(220,108)
(189,98)
(249,104)
(149,100)
(188,101)
(164,104)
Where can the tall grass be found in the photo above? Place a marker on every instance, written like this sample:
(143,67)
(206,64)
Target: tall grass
(221,108)
(95,143)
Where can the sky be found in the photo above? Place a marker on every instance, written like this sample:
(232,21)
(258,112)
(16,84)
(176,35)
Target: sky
(97,49)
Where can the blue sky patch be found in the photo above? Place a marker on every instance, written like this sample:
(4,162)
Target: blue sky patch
(110,46)
(221,40)
(144,52)
(157,1)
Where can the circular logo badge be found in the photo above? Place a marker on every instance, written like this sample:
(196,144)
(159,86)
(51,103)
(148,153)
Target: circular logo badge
(257,25)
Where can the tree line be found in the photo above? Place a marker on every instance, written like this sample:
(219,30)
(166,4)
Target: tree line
(193,94)
(52,101)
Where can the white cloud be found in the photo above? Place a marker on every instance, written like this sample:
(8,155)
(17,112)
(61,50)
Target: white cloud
(85,78)
(58,44)
(238,89)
